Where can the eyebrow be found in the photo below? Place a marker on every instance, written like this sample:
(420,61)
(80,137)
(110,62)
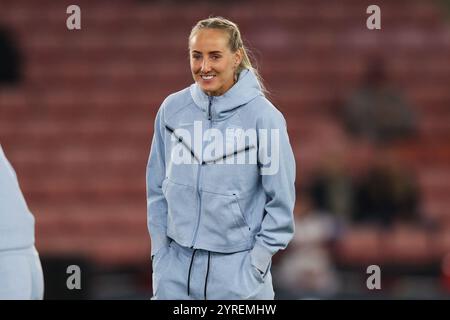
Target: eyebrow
(211,52)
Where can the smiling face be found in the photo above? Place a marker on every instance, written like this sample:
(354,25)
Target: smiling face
(213,64)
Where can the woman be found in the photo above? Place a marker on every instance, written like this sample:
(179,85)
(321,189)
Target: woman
(20,268)
(220,177)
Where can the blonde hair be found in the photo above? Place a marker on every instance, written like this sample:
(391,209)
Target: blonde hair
(235,43)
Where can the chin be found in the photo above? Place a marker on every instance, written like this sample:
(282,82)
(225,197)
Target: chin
(208,88)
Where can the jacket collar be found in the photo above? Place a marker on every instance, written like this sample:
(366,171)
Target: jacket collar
(243,91)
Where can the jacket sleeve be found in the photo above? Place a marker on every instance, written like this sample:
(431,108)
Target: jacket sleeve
(156,202)
(278,182)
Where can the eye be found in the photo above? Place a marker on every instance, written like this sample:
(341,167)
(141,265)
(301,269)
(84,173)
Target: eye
(215,57)
(196,56)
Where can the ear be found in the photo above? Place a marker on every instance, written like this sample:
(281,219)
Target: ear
(238,57)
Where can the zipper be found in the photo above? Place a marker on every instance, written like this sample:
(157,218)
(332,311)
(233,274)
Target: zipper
(209,109)
(199,201)
(199,176)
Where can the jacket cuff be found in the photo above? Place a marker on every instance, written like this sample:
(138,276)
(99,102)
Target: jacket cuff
(261,257)
(158,241)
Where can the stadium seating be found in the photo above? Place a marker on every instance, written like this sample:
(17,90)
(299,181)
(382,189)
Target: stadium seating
(79,128)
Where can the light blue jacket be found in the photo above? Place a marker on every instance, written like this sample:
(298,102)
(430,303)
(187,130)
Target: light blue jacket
(216,206)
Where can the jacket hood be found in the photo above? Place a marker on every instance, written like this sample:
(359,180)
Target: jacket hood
(243,91)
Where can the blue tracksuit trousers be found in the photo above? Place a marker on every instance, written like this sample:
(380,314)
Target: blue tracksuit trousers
(181,273)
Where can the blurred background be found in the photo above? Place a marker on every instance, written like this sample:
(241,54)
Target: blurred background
(368,114)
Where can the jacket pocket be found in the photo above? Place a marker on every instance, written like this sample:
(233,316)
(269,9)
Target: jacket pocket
(181,210)
(222,222)
(242,214)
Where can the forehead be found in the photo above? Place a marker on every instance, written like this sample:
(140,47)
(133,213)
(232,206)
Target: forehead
(209,40)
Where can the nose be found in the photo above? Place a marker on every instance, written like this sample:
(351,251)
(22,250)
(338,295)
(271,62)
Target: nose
(206,67)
